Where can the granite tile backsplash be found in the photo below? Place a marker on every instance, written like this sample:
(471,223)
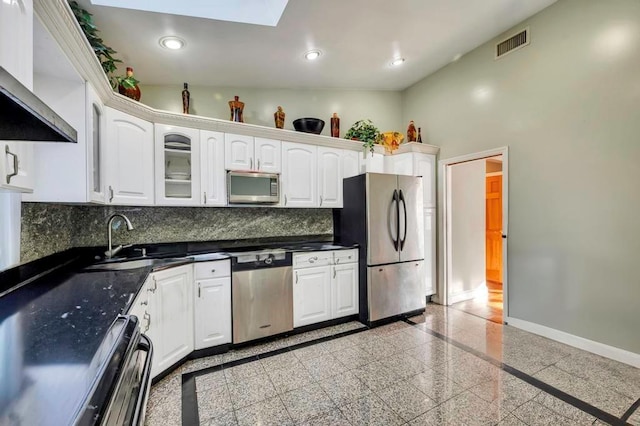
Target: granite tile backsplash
(50,228)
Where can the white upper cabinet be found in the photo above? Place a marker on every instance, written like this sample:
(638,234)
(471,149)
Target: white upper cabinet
(350,163)
(425,165)
(329,177)
(16,39)
(372,163)
(299,175)
(95,121)
(177,155)
(213,184)
(238,152)
(399,164)
(129,159)
(247,153)
(268,154)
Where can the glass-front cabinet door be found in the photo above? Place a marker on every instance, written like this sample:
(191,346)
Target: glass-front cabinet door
(177,165)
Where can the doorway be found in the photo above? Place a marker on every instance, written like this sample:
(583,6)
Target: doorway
(473,228)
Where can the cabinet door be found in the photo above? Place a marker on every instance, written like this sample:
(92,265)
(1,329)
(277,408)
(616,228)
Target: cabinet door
(212,312)
(238,152)
(329,177)
(177,154)
(268,155)
(425,166)
(311,295)
(430,251)
(299,176)
(95,120)
(344,290)
(16,166)
(129,159)
(173,315)
(350,163)
(16,39)
(399,164)
(214,186)
(372,163)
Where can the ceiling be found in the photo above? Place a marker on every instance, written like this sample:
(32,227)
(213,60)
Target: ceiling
(357,38)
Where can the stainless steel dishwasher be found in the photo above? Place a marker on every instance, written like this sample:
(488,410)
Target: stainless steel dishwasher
(261,294)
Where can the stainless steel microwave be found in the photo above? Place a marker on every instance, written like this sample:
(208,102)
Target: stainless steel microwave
(253,188)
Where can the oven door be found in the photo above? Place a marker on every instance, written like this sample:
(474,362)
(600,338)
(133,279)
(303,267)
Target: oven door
(253,188)
(129,400)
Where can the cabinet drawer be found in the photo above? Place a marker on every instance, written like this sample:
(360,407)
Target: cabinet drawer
(219,268)
(315,258)
(345,256)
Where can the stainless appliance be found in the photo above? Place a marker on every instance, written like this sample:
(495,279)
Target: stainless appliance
(253,187)
(261,294)
(383,214)
(123,370)
(27,118)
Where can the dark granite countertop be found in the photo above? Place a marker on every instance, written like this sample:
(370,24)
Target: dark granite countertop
(56,312)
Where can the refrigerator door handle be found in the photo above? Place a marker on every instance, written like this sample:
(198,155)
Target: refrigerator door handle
(404,209)
(397,210)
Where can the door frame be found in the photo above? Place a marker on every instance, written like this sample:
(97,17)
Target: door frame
(444,263)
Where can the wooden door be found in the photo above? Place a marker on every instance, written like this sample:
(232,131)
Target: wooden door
(494,228)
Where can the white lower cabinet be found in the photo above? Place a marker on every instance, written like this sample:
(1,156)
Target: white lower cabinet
(344,290)
(212,304)
(311,296)
(171,316)
(321,293)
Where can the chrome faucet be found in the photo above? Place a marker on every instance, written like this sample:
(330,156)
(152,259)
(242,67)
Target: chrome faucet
(110,250)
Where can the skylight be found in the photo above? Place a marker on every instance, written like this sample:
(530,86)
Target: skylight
(258,12)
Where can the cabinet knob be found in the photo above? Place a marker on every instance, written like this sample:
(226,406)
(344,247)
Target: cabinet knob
(213,271)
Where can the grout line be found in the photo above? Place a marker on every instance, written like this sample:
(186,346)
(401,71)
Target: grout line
(627,414)
(190,415)
(569,399)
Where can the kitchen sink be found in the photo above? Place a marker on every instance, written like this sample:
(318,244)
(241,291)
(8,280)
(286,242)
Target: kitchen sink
(135,264)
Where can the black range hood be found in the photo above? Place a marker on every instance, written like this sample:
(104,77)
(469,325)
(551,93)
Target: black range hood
(24,117)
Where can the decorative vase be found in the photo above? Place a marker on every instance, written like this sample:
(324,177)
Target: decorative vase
(335,125)
(129,86)
(186,99)
(236,107)
(412,134)
(419,135)
(278,117)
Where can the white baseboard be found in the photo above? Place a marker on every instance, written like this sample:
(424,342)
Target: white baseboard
(597,348)
(468,295)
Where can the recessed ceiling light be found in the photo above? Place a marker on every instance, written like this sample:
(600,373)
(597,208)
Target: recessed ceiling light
(312,55)
(172,43)
(397,62)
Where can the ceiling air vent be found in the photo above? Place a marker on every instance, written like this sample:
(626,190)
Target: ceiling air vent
(515,42)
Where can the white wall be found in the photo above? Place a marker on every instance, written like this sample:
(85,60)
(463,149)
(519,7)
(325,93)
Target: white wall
(9,229)
(567,106)
(466,214)
(382,107)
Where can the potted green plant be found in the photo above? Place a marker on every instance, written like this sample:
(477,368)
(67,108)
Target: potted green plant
(365,132)
(103,52)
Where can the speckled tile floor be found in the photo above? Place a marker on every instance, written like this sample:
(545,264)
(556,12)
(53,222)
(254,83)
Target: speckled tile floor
(448,367)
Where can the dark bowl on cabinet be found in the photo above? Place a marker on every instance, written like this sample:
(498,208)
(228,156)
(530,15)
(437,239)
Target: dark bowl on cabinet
(309,125)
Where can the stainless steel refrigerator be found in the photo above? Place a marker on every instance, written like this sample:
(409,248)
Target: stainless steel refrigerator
(383,214)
